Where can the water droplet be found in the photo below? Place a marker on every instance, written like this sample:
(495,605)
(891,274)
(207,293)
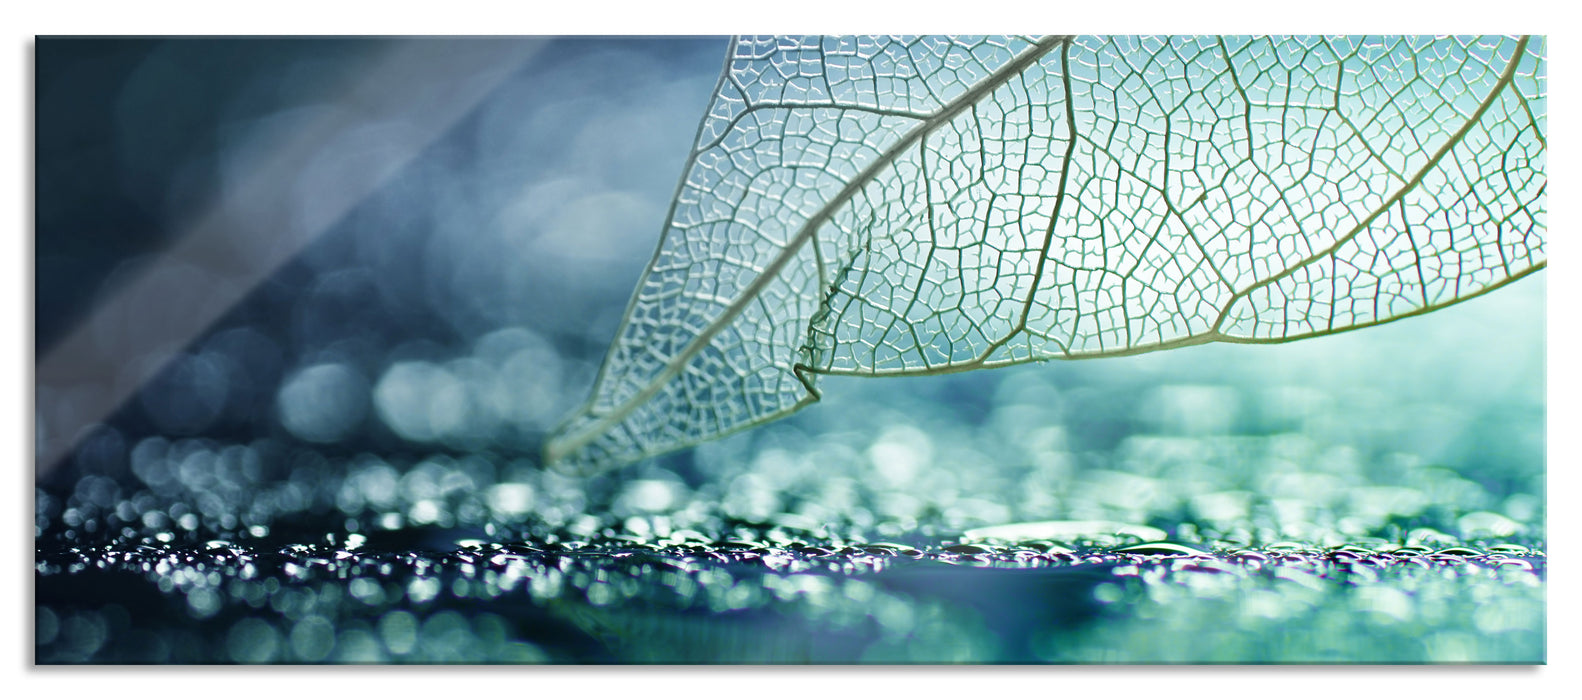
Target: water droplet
(312,638)
(1429,537)
(1108,592)
(1484,525)
(46,625)
(1162,549)
(1511,563)
(1204,565)
(253,641)
(398,629)
(1065,531)
(1249,555)
(893,548)
(323,403)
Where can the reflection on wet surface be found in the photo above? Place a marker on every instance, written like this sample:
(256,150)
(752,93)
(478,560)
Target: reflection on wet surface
(768,594)
(344,468)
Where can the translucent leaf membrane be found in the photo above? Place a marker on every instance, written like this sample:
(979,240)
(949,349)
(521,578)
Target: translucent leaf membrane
(916,205)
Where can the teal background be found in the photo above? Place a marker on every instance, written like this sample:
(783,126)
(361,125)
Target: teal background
(398,376)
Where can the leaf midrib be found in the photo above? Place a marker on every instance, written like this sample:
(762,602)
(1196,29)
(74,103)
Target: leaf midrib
(557,449)
(560,448)
(1399,195)
(1214,334)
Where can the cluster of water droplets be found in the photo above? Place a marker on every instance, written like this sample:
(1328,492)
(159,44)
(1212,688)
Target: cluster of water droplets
(646,590)
(864,533)
(345,470)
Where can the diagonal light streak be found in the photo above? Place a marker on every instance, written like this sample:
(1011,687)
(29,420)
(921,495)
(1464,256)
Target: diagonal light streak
(422,86)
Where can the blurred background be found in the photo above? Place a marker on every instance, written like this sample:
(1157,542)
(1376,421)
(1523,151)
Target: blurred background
(507,242)
(293,288)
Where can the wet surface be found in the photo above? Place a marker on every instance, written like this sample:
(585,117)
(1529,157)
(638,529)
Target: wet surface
(344,467)
(765,594)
